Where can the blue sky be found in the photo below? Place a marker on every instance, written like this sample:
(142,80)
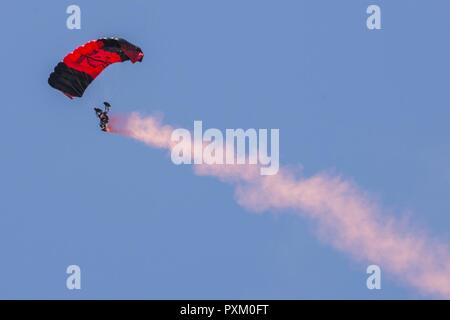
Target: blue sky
(371,105)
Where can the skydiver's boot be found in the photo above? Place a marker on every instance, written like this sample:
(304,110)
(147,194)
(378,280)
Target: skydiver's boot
(107,106)
(98,111)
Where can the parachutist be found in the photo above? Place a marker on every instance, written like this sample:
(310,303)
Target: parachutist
(103,116)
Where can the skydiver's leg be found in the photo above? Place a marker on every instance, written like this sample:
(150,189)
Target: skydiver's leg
(107,106)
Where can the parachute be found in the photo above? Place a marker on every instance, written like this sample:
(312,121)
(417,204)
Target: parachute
(80,67)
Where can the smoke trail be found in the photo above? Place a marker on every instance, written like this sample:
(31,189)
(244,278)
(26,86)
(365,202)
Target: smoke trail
(346,217)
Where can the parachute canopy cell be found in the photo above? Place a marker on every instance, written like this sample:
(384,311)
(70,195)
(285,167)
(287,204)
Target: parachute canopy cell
(80,67)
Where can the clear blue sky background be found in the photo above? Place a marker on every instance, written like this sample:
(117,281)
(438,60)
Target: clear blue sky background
(373,106)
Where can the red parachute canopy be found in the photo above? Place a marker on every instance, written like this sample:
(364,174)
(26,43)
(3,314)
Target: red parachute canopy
(80,67)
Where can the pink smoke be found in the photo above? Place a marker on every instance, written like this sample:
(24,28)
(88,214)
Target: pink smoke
(346,217)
